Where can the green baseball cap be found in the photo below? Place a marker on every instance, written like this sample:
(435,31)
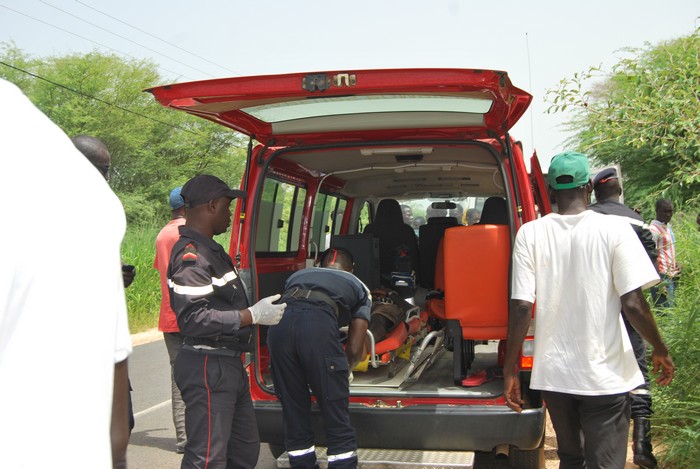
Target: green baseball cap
(571,164)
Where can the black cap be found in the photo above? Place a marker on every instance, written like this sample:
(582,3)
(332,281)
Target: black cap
(603,176)
(205,187)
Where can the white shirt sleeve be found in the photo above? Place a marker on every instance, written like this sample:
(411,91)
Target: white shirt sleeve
(523,284)
(631,266)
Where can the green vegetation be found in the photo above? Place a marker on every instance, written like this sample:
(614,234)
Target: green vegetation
(143,295)
(645,115)
(153,148)
(677,407)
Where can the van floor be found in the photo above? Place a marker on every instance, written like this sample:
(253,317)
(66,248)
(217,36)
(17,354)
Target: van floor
(436,379)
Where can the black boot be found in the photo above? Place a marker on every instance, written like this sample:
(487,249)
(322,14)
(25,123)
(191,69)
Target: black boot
(641,443)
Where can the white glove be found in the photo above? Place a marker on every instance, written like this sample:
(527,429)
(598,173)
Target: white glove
(265,313)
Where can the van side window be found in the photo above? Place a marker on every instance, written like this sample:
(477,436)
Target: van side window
(279,218)
(328,219)
(364,218)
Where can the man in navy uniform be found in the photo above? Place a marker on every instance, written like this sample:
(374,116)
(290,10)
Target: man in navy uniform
(606,185)
(212,311)
(306,352)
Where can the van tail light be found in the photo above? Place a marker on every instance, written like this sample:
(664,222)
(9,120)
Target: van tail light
(527,353)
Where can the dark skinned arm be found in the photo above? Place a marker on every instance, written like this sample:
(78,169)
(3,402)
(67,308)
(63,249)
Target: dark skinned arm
(120,415)
(637,312)
(519,318)
(355,347)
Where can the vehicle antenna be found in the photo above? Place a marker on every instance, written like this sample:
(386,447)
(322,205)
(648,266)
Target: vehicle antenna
(529,76)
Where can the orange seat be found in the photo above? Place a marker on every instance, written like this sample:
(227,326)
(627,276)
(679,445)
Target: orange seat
(476,261)
(436,306)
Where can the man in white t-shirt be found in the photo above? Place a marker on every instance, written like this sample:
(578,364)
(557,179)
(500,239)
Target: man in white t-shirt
(64,337)
(582,268)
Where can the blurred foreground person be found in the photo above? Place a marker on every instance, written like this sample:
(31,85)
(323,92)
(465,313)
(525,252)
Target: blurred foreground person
(64,337)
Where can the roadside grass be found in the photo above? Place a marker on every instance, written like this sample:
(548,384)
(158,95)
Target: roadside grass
(676,421)
(143,295)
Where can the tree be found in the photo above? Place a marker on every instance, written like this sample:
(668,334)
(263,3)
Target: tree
(153,148)
(644,115)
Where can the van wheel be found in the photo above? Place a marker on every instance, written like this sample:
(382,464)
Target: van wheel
(527,459)
(276,450)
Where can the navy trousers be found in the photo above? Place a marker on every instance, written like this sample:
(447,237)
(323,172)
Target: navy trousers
(640,397)
(222,432)
(306,353)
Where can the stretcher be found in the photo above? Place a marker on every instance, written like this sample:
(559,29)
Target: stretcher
(411,342)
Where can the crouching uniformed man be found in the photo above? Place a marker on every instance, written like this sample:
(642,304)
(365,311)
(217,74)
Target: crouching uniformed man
(306,352)
(214,319)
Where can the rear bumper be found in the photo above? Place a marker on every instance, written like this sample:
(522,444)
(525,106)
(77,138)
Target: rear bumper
(425,427)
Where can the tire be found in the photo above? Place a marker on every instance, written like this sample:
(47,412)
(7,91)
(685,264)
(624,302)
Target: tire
(527,459)
(276,450)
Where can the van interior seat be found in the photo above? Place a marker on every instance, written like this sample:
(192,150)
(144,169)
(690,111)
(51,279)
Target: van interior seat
(495,212)
(393,234)
(429,236)
(476,262)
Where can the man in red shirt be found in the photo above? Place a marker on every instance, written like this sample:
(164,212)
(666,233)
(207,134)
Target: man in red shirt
(167,322)
(669,270)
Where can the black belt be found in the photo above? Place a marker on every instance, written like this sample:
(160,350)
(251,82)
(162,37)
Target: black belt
(223,352)
(232,344)
(301,294)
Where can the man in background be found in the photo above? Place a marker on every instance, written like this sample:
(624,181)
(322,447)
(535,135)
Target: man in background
(407,212)
(608,190)
(97,153)
(167,321)
(581,268)
(472,217)
(662,295)
(64,335)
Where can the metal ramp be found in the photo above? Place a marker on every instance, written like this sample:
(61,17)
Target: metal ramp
(397,458)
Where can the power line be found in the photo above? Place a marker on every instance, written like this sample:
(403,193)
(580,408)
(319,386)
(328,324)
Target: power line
(68,88)
(124,38)
(89,40)
(156,37)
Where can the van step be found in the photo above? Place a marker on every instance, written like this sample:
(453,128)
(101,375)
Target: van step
(397,458)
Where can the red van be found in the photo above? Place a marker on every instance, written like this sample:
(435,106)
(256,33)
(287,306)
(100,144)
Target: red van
(325,149)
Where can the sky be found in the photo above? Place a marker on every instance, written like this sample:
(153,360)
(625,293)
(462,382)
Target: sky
(538,43)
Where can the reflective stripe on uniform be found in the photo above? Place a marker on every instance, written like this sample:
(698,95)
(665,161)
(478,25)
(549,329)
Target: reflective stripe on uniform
(301,452)
(340,457)
(226,278)
(194,291)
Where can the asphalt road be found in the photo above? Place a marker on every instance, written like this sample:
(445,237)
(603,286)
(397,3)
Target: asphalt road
(152,443)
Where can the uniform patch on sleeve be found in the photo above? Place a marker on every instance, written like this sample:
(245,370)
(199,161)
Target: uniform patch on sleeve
(190,253)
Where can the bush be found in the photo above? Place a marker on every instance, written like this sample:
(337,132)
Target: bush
(676,422)
(143,296)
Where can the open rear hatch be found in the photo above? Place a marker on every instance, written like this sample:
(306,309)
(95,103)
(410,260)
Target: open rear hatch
(363,105)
